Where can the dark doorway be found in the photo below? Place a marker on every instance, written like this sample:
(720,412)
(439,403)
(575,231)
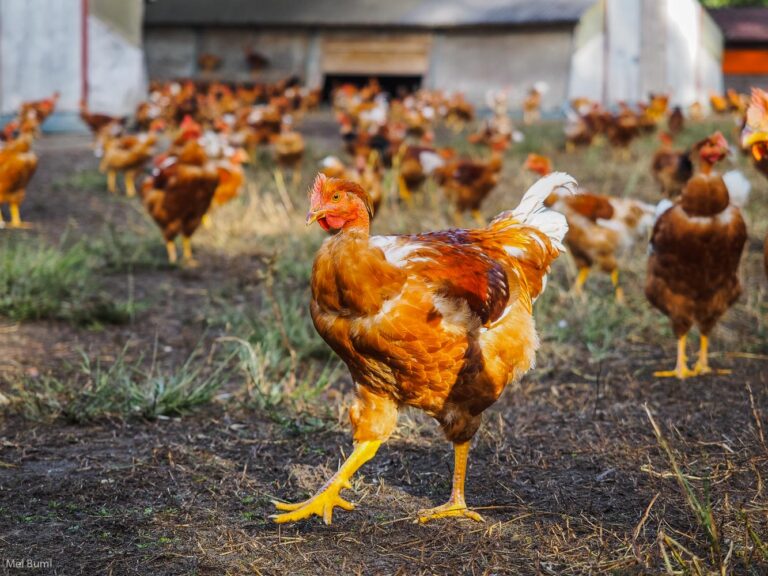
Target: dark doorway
(392,84)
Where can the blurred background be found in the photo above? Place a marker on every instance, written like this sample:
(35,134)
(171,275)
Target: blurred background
(106,51)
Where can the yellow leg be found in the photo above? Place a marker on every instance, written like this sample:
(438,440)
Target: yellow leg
(619,289)
(405,193)
(702,364)
(130,183)
(15,215)
(112,181)
(186,250)
(581,279)
(323,503)
(570,148)
(458,218)
(206,222)
(681,371)
(456,506)
(478,217)
(171,249)
(296,180)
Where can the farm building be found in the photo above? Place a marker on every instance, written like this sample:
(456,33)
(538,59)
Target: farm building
(83,49)
(468,46)
(745,63)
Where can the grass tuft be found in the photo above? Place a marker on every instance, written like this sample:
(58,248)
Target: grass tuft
(123,390)
(38,281)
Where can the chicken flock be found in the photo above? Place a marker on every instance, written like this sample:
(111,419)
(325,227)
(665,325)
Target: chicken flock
(443,320)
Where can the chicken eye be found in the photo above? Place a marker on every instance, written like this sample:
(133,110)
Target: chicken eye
(336,197)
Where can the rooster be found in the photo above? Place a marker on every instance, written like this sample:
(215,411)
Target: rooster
(696,247)
(440,321)
(179,194)
(18,163)
(600,227)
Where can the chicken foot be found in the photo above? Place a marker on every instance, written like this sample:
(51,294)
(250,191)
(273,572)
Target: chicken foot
(702,364)
(112,181)
(456,505)
(619,290)
(170,247)
(130,183)
(186,251)
(681,370)
(323,503)
(581,280)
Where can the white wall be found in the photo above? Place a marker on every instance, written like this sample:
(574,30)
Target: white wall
(475,62)
(116,77)
(39,52)
(662,45)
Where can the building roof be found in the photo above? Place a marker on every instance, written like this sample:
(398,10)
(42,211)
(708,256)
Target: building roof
(365,13)
(743,25)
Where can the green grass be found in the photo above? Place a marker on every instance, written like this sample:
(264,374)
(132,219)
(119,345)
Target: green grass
(124,389)
(85,180)
(38,281)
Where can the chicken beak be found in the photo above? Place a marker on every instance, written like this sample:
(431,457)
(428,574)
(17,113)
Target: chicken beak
(314,215)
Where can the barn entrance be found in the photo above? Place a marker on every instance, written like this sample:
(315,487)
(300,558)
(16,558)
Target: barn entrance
(394,85)
(398,61)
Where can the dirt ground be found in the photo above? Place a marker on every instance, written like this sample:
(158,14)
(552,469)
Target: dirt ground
(566,470)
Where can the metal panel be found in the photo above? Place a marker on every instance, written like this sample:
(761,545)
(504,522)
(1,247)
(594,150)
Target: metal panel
(350,13)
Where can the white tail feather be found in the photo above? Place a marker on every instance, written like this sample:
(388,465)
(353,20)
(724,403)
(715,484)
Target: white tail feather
(532,211)
(534,198)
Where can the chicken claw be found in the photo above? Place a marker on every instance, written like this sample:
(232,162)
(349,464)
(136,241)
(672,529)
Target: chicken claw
(681,370)
(321,504)
(447,510)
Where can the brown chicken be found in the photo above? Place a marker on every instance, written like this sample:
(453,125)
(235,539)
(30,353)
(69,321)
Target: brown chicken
(468,182)
(231,180)
(18,163)
(96,122)
(696,247)
(671,168)
(178,195)
(676,121)
(622,131)
(41,109)
(532,106)
(128,154)
(718,103)
(289,151)
(440,321)
(415,165)
(600,228)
